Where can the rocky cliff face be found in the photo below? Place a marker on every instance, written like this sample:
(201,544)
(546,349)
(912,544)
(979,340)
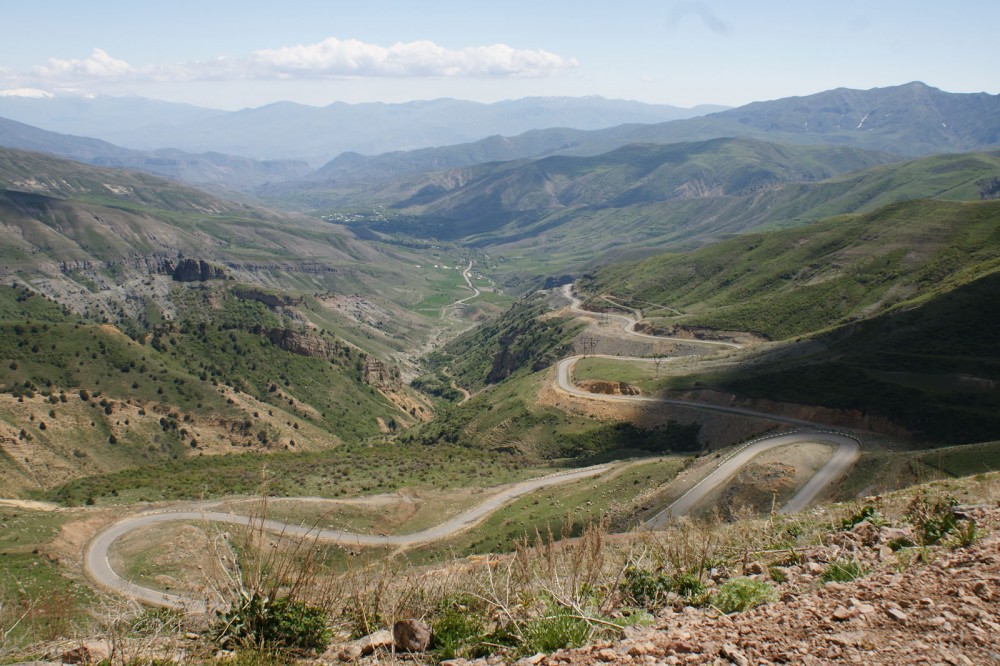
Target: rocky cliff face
(373,371)
(197,270)
(270,300)
(304,344)
(382,376)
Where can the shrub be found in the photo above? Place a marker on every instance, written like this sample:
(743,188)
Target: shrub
(454,630)
(777,574)
(867,512)
(687,585)
(649,590)
(966,534)
(560,629)
(739,594)
(644,588)
(843,571)
(932,518)
(283,623)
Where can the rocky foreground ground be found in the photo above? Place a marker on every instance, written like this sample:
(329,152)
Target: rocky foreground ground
(933,606)
(911,605)
(937,605)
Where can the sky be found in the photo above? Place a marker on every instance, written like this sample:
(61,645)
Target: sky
(229,54)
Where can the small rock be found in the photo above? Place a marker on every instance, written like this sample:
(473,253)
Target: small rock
(755,568)
(411,635)
(733,654)
(78,655)
(814,568)
(898,534)
(841,614)
(350,653)
(640,649)
(607,655)
(374,641)
(896,614)
(867,532)
(90,652)
(680,647)
(532,660)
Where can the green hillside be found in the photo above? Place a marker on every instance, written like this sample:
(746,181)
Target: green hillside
(81,398)
(898,304)
(796,281)
(932,368)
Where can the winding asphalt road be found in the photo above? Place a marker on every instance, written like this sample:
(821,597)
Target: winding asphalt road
(98,566)
(846,451)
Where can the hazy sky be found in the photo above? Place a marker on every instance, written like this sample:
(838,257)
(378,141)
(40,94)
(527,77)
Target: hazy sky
(236,53)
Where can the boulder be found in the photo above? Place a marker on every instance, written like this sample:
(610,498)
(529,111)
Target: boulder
(411,635)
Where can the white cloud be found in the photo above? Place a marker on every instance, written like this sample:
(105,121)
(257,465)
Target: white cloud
(331,58)
(334,57)
(33,93)
(99,65)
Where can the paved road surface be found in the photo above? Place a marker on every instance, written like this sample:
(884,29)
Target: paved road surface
(99,567)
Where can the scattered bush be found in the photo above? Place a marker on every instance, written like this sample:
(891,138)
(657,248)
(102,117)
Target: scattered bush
(557,630)
(457,632)
(281,624)
(843,571)
(932,518)
(739,594)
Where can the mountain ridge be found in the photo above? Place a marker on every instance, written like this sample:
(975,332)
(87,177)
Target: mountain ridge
(287,130)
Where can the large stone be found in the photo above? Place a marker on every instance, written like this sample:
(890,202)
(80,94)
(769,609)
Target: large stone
(375,641)
(411,635)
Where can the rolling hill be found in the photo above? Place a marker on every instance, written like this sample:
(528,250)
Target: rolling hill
(506,199)
(563,214)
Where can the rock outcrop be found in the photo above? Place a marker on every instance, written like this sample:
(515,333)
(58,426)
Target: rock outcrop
(197,270)
(304,344)
(271,300)
(382,376)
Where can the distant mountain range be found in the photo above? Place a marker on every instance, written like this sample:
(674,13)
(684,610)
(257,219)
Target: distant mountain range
(908,120)
(294,131)
(206,169)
